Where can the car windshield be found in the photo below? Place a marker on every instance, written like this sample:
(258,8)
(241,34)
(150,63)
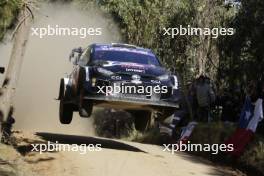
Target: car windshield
(126,56)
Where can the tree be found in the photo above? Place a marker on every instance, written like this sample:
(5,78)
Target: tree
(242,54)
(13,70)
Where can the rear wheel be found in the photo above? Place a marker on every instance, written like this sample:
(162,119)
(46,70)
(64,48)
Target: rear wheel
(86,108)
(165,114)
(142,120)
(80,81)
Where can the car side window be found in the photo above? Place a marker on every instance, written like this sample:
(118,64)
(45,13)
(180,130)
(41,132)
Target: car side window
(85,57)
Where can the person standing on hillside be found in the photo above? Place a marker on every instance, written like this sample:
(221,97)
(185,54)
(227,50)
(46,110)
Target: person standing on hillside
(205,97)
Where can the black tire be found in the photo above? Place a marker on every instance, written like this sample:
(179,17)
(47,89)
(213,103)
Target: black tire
(86,108)
(66,113)
(142,120)
(61,91)
(81,79)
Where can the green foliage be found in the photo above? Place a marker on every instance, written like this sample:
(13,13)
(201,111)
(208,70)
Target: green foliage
(213,133)
(242,54)
(115,124)
(8,11)
(142,23)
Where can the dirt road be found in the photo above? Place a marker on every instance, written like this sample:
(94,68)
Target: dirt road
(117,158)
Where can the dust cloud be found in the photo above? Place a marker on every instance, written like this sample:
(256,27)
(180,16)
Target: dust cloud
(46,61)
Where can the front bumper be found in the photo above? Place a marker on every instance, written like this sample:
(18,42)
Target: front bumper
(132,101)
(159,100)
(172,95)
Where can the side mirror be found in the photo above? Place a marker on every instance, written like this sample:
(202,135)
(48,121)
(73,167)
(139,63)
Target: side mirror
(2,70)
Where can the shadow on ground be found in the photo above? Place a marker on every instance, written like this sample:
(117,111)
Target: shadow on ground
(79,140)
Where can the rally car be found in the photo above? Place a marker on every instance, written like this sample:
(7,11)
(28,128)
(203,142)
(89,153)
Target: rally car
(118,76)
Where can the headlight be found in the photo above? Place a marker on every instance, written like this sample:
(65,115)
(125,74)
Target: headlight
(104,71)
(163,77)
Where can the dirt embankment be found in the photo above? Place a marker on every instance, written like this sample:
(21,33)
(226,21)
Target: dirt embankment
(46,61)
(115,158)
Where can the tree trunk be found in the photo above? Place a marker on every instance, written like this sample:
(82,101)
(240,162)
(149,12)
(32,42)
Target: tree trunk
(16,59)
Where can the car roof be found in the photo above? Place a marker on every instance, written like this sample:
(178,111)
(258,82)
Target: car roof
(122,47)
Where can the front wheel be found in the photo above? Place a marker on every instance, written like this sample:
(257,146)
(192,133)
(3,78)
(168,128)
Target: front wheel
(66,113)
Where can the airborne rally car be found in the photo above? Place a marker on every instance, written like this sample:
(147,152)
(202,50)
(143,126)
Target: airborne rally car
(119,76)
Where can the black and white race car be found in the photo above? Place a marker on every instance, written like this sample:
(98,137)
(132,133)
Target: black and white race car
(118,76)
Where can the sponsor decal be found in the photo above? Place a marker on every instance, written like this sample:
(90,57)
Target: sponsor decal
(116,77)
(107,48)
(126,65)
(155,81)
(132,65)
(135,70)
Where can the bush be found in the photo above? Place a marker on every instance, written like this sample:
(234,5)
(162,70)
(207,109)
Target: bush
(8,11)
(113,124)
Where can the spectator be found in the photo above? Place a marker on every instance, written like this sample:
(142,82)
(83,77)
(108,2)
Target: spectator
(205,98)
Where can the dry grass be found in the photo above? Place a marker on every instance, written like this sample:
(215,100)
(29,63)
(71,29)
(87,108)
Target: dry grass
(7,156)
